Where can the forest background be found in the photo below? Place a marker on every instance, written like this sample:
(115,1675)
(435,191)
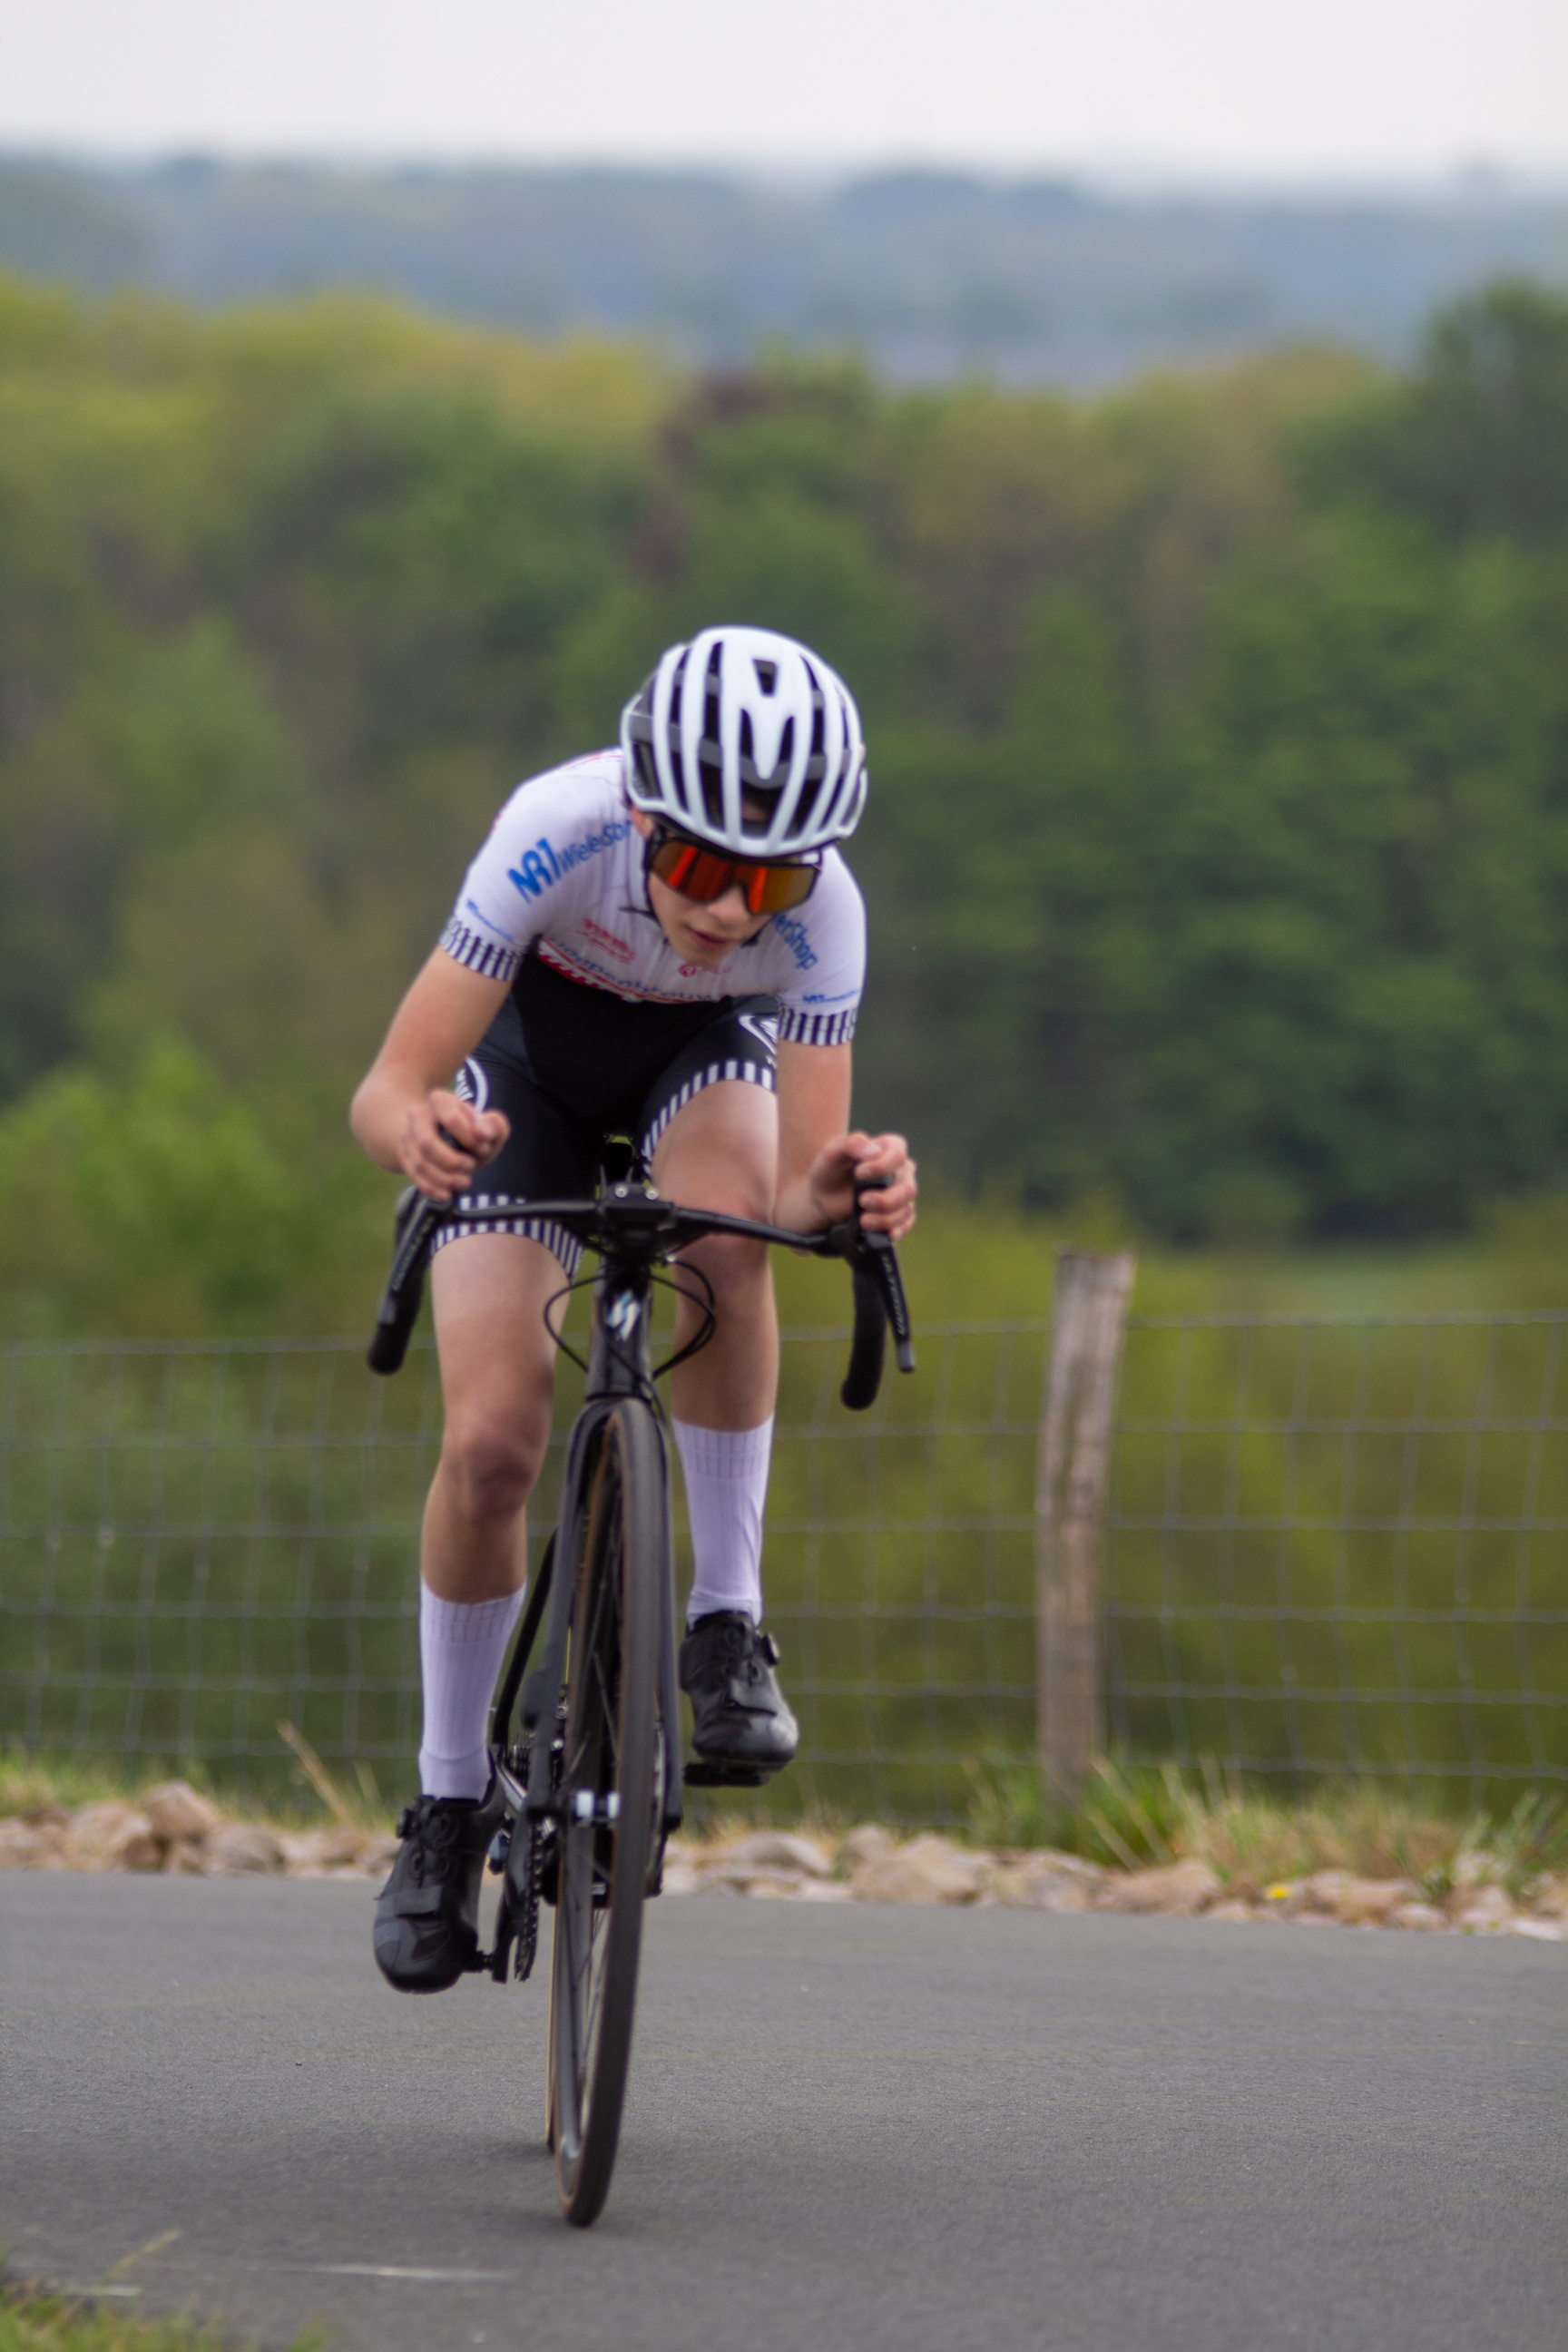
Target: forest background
(1218,845)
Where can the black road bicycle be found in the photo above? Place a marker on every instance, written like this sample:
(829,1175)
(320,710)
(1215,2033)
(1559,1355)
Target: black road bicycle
(586,1742)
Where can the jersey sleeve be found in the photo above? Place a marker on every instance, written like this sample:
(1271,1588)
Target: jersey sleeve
(539,865)
(823,960)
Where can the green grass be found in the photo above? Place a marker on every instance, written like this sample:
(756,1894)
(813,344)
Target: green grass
(34,2319)
(1133,1816)
(32,1783)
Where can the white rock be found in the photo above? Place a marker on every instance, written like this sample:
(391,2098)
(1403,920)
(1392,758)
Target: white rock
(308,1853)
(25,1845)
(114,1835)
(238,1848)
(1063,1866)
(870,1843)
(1060,1895)
(680,1878)
(1476,1868)
(1416,1915)
(1372,1902)
(1484,1913)
(927,1869)
(780,1849)
(175,1811)
(1181,1890)
(1541,1931)
(186,1858)
(1036,1885)
(1321,1892)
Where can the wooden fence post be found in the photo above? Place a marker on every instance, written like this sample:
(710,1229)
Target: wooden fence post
(1088,1317)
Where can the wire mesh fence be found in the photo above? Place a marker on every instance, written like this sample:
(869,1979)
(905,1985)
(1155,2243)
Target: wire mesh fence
(1333,1545)
(1338,1544)
(199,1541)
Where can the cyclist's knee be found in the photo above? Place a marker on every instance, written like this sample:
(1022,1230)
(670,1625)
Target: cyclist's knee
(490,1466)
(737,1269)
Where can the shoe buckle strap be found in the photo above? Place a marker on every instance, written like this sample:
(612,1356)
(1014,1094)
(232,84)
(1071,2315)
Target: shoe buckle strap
(749,1691)
(417,1902)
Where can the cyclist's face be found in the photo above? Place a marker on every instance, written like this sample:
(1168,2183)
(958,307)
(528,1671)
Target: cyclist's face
(707,934)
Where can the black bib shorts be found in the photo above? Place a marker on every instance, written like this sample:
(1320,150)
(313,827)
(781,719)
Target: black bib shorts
(572,1066)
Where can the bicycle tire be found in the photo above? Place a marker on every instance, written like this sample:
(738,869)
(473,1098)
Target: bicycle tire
(607,1796)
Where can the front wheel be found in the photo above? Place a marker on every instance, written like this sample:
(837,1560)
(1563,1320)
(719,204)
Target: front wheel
(608,1799)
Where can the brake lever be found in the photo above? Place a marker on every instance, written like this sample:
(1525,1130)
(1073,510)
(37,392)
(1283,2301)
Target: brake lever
(873,1254)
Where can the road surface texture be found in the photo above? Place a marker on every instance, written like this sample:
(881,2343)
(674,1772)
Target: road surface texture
(849,2126)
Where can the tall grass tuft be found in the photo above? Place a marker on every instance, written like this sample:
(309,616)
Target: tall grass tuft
(1138,1816)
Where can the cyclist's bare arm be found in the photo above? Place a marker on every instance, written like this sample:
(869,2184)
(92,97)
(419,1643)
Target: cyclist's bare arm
(405,1100)
(821,1159)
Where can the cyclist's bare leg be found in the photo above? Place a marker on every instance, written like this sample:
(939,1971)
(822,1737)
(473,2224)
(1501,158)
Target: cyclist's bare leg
(489,1293)
(722,1152)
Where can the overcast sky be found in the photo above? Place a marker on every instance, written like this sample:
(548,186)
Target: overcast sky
(1270,90)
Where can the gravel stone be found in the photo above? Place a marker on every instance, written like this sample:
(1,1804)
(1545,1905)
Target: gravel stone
(176,1812)
(1179,1891)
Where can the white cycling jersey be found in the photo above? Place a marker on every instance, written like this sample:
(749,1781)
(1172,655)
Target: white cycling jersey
(562,872)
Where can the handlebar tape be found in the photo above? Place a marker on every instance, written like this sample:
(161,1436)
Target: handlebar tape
(415,1222)
(878,1302)
(864,1376)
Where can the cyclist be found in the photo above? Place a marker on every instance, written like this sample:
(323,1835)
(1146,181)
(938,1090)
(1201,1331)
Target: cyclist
(662,941)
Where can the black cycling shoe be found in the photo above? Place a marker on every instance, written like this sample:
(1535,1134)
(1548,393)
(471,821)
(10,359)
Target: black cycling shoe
(742,1730)
(427,1914)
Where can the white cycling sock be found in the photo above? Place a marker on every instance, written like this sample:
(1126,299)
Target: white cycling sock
(461,1645)
(726,1473)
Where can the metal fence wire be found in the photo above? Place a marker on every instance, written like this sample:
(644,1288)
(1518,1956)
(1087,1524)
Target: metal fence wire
(1334,1544)
(1337,1545)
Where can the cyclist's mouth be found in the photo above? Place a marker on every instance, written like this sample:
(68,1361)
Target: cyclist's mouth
(711,943)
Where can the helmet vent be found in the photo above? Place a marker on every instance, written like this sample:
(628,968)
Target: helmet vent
(767,676)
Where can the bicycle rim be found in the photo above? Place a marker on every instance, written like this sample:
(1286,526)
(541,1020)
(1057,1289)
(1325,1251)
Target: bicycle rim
(608,1806)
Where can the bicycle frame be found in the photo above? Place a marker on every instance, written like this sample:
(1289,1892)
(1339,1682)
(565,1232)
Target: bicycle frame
(634,1232)
(619,1365)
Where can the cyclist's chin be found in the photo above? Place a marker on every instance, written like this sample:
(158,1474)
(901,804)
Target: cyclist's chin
(710,950)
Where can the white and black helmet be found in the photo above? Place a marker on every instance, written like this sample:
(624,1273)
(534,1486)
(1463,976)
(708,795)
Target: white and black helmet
(745,711)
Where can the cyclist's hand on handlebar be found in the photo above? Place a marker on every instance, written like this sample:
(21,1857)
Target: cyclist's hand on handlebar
(444,1141)
(858,1159)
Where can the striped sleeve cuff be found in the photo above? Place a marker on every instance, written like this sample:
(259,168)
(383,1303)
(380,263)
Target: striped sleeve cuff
(817,1028)
(486,957)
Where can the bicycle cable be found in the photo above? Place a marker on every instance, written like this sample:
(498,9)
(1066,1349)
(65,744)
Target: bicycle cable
(704,1301)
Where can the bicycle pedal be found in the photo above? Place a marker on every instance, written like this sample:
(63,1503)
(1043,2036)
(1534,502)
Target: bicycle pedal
(705,1773)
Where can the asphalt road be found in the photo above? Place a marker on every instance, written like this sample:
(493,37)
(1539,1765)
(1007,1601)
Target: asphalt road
(849,2127)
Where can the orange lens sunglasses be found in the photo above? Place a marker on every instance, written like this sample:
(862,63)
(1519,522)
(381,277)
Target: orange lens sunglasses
(702,874)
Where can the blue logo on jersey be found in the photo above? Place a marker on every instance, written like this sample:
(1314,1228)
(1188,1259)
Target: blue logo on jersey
(543,864)
(796,938)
